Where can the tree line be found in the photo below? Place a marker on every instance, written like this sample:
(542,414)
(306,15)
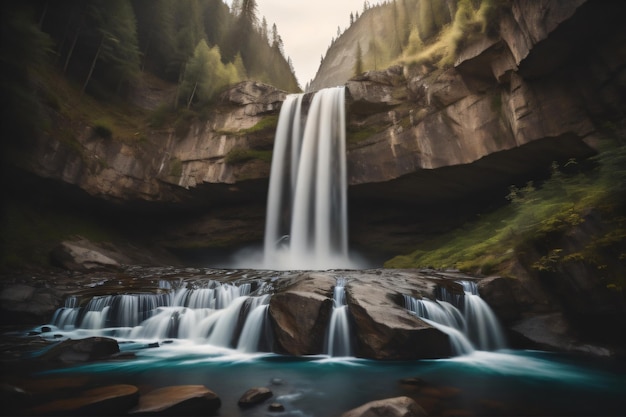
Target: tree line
(203,45)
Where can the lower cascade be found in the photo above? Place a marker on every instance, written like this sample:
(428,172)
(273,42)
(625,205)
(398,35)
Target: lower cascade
(467,319)
(338,339)
(222,315)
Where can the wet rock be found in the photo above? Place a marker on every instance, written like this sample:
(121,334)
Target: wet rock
(301,313)
(276,407)
(82,350)
(254,396)
(112,400)
(391,407)
(385,329)
(181,400)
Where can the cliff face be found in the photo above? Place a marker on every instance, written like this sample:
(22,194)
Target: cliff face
(418,137)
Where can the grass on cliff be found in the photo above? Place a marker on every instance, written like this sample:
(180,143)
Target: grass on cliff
(534,214)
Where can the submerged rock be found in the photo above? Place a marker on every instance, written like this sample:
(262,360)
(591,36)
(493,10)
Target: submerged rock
(390,407)
(255,396)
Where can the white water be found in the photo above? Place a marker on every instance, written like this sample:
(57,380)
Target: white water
(338,339)
(307,216)
(211,315)
(468,321)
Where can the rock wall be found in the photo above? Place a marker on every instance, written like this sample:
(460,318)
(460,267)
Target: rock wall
(420,140)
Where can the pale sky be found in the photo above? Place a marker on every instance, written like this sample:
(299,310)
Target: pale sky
(307,28)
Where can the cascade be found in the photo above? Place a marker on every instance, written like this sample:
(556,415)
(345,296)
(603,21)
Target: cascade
(467,319)
(306,224)
(225,315)
(338,339)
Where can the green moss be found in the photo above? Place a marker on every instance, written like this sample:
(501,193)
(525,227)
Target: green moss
(240,156)
(103,128)
(176,168)
(266,123)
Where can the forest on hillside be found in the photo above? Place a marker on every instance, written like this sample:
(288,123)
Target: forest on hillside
(104,46)
(412,32)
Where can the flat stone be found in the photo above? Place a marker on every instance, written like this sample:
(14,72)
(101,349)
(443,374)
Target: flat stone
(390,407)
(178,400)
(109,400)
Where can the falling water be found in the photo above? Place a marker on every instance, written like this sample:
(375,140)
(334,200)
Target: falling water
(338,339)
(225,315)
(466,319)
(306,225)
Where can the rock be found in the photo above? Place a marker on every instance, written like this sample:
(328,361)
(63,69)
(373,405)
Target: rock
(254,396)
(81,350)
(23,303)
(181,400)
(301,313)
(385,329)
(81,255)
(391,407)
(112,400)
(276,407)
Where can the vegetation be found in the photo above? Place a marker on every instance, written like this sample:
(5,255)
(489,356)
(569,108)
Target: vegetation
(535,220)
(100,48)
(412,32)
(239,156)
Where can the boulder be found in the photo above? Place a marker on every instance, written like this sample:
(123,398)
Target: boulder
(112,400)
(386,330)
(390,407)
(254,396)
(179,400)
(82,255)
(81,350)
(301,313)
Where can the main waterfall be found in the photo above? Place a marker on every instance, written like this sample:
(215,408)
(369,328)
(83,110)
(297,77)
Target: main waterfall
(307,214)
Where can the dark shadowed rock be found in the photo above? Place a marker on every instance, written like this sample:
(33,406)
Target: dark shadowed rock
(181,400)
(390,407)
(112,400)
(254,396)
(82,350)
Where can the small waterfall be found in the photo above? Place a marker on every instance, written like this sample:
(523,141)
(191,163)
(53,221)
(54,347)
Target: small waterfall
(224,315)
(338,339)
(306,225)
(466,319)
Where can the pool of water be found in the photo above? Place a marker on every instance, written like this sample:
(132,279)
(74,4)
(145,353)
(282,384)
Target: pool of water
(505,382)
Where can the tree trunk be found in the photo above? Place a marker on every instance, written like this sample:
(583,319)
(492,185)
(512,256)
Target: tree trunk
(93,66)
(193,93)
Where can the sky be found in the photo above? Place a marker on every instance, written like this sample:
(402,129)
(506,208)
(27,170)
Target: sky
(307,28)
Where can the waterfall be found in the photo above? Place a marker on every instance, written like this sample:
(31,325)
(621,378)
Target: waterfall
(306,224)
(466,319)
(224,315)
(338,339)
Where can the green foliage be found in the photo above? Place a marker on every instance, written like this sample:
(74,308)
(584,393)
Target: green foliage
(183,123)
(537,214)
(205,75)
